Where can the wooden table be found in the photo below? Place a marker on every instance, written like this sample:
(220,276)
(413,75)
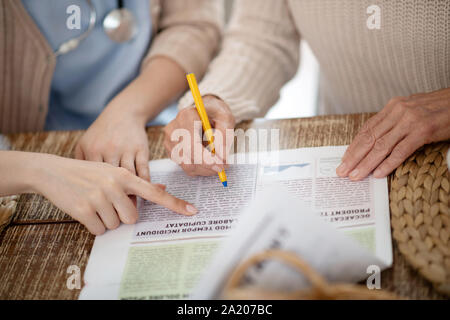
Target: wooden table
(42,242)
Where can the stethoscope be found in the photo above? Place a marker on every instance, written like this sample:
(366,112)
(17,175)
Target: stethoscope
(119,25)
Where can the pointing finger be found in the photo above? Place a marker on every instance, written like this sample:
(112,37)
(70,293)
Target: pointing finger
(153,193)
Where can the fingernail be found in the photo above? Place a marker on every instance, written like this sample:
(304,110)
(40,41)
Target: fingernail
(217,169)
(354,174)
(161,186)
(377,174)
(191,209)
(341,169)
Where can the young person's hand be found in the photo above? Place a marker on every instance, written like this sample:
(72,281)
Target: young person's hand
(94,193)
(187,120)
(391,136)
(118,136)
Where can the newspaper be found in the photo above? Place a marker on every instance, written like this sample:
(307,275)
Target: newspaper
(165,255)
(285,223)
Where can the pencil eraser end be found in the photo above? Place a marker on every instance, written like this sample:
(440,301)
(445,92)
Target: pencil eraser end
(225,184)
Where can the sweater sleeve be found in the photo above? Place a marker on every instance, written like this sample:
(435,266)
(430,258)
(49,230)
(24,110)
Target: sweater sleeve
(189,33)
(260,53)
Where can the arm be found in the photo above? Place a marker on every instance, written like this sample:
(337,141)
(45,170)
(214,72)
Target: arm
(189,33)
(16,173)
(259,54)
(96,194)
(158,85)
(118,135)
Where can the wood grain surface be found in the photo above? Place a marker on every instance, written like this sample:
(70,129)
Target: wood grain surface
(34,259)
(42,242)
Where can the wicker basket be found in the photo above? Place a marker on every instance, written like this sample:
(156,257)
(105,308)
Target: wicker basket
(420,214)
(7,208)
(320,289)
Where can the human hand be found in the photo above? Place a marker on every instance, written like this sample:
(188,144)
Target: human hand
(392,135)
(96,194)
(221,119)
(117,137)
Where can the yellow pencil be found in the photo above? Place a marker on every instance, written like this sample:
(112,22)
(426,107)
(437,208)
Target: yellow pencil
(204,118)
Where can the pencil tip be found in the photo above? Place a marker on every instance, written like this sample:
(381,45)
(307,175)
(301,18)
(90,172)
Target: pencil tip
(225,184)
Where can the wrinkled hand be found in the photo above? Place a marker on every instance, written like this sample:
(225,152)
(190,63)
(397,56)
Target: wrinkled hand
(221,119)
(96,194)
(391,136)
(117,137)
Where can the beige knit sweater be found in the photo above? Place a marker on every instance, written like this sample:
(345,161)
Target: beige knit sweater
(27,61)
(361,69)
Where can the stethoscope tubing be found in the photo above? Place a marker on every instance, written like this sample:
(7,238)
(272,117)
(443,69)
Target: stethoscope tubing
(72,44)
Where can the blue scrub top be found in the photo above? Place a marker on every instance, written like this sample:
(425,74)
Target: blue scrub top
(87,78)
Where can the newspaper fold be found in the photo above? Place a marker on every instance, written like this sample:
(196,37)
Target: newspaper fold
(276,220)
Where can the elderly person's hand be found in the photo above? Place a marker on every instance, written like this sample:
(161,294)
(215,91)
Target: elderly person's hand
(221,119)
(391,136)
